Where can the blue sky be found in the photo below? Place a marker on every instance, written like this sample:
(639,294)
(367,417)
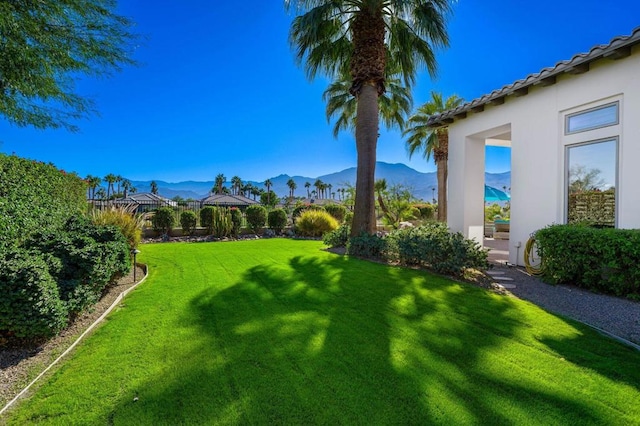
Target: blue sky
(218,89)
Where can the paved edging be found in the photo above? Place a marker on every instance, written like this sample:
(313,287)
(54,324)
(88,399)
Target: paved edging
(74,344)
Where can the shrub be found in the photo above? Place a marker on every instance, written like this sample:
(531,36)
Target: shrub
(256,217)
(297,211)
(314,223)
(188,221)
(124,218)
(30,306)
(368,246)
(163,220)
(338,237)
(337,211)
(236,221)
(426,211)
(268,198)
(348,218)
(35,196)
(221,224)
(603,260)
(206,218)
(277,219)
(435,247)
(83,258)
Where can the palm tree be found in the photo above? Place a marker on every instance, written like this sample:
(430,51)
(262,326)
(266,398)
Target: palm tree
(126,187)
(219,183)
(292,187)
(110,179)
(329,186)
(100,194)
(154,187)
(92,182)
(307,185)
(433,141)
(395,104)
(268,184)
(236,185)
(318,184)
(366,36)
(118,182)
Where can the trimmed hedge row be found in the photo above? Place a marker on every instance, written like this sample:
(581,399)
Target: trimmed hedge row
(602,260)
(35,196)
(58,274)
(431,245)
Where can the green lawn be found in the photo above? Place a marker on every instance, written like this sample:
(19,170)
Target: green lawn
(280,332)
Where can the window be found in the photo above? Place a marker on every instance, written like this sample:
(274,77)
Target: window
(591,183)
(602,116)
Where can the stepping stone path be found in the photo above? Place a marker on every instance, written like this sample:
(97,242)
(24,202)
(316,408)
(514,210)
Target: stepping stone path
(496,275)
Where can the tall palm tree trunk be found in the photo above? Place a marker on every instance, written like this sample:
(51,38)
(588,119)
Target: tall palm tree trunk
(441,156)
(367,71)
(364,218)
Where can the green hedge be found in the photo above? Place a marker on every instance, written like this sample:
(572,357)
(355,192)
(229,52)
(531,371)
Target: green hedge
(83,259)
(602,260)
(432,246)
(35,196)
(30,305)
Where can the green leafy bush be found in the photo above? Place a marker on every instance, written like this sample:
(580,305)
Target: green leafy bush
(129,223)
(367,246)
(426,211)
(30,306)
(435,247)
(256,217)
(337,211)
(348,218)
(277,220)
(206,218)
(236,221)
(314,223)
(338,237)
(163,220)
(602,260)
(35,196)
(268,198)
(83,258)
(188,221)
(221,224)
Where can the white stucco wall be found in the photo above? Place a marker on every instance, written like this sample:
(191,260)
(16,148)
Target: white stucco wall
(536,123)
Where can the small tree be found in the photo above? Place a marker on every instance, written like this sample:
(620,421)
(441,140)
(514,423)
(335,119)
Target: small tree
(268,199)
(188,222)
(256,217)
(163,220)
(206,218)
(277,219)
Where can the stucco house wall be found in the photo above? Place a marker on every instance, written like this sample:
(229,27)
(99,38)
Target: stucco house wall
(533,123)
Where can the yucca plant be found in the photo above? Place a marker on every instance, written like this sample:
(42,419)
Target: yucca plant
(123,217)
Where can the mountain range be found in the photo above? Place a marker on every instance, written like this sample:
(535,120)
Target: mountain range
(423,185)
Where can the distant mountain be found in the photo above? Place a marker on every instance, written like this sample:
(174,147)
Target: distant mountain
(421,184)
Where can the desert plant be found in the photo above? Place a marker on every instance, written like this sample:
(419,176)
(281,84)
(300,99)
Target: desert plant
(337,211)
(277,220)
(188,220)
(314,223)
(256,217)
(221,223)
(124,218)
(163,220)
(236,221)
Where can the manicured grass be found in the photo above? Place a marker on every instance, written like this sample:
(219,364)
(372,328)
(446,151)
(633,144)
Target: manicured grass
(280,332)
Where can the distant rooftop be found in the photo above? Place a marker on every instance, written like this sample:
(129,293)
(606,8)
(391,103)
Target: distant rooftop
(617,48)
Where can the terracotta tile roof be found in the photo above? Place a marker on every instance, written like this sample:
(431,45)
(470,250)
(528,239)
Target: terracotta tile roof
(617,48)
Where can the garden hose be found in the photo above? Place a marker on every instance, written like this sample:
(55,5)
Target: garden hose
(528,257)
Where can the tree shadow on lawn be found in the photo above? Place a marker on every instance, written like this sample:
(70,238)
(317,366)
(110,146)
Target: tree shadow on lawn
(343,341)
